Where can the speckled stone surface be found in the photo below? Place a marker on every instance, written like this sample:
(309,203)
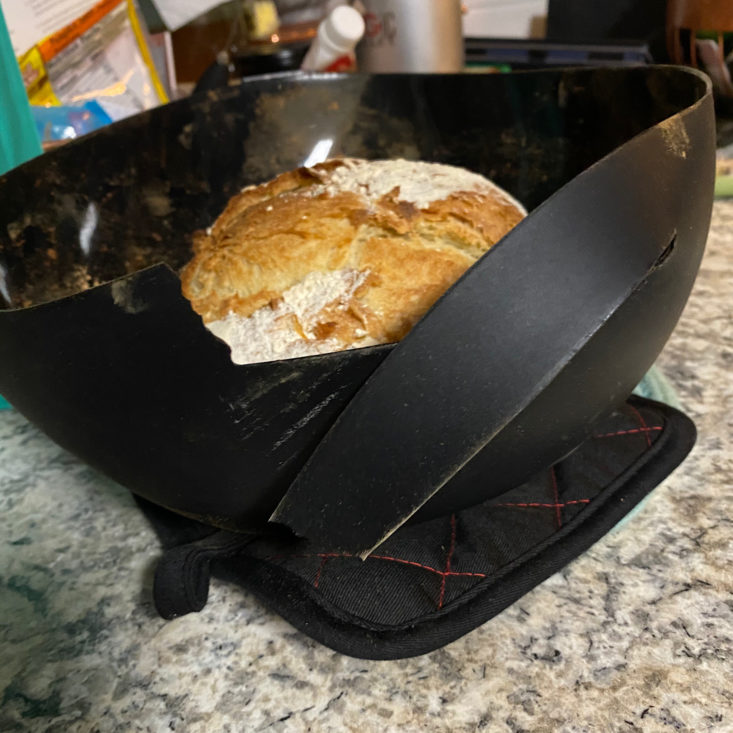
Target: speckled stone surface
(637,634)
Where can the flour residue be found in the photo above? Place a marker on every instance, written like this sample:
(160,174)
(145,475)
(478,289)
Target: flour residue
(123,296)
(675,136)
(284,330)
(419,183)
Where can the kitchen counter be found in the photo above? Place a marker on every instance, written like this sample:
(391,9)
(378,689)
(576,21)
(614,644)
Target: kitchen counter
(637,634)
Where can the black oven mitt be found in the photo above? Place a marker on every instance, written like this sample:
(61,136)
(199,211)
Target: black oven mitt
(430,583)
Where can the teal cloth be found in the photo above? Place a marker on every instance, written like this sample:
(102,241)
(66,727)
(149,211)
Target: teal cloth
(655,386)
(18,139)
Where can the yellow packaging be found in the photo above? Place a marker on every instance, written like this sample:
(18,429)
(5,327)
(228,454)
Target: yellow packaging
(35,78)
(101,55)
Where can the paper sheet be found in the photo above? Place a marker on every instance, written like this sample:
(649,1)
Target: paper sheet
(29,21)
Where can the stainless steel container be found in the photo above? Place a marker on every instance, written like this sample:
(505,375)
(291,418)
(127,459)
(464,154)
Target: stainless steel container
(412,36)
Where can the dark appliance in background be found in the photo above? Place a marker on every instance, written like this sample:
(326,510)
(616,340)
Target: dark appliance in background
(636,22)
(509,54)
(583,33)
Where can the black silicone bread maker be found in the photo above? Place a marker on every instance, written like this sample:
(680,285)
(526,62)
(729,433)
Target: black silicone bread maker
(506,374)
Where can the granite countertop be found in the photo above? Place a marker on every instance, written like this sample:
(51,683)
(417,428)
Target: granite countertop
(637,634)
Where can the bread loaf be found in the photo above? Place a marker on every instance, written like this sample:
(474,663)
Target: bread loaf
(343,254)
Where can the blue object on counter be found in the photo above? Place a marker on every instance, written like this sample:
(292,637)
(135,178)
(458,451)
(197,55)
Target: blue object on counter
(18,139)
(67,122)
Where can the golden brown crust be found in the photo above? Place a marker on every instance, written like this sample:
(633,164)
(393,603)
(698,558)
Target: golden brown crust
(269,237)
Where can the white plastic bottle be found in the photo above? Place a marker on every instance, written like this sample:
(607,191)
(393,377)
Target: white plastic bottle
(337,36)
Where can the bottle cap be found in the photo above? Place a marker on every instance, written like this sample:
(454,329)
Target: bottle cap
(344,27)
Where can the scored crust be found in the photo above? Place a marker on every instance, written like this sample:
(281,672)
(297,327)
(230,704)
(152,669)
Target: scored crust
(327,218)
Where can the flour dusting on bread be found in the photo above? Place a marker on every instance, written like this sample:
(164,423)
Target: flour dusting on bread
(343,254)
(286,328)
(416,183)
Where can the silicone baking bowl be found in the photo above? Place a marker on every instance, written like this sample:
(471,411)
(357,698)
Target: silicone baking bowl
(506,374)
